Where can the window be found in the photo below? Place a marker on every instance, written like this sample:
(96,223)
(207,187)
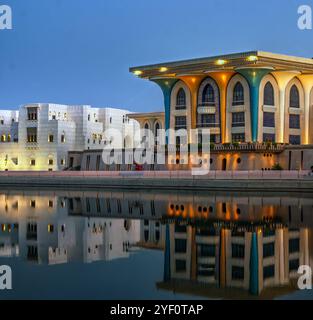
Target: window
(269,95)
(207,250)
(294,121)
(294,97)
(269,137)
(238,96)
(181,99)
(207,121)
(238,137)
(269,119)
(50,138)
(50,162)
(180,265)
(88,163)
(238,273)
(32,162)
(294,245)
(62,137)
(268,250)
(3,138)
(50,228)
(238,250)
(62,162)
(294,265)
(238,119)
(268,271)
(50,204)
(180,123)
(180,245)
(31,134)
(1,121)
(98,162)
(294,139)
(32,113)
(208,96)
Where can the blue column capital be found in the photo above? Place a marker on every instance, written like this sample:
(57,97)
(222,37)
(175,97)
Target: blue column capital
(166,84)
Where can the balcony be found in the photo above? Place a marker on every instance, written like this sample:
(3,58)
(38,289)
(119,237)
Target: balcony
(206,108)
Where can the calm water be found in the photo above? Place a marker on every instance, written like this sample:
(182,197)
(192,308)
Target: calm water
(154,245)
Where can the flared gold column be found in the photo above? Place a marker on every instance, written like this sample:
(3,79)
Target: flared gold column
(307,82)
(222,80)
(283,78)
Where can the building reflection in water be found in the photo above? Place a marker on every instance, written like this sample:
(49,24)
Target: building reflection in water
(213,244)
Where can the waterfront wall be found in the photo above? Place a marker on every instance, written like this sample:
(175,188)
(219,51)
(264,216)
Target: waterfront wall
(172,180)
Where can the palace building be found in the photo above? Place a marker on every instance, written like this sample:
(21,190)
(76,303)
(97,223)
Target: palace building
(245,97)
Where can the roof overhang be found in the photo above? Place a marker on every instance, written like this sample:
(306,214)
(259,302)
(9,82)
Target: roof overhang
(229,62)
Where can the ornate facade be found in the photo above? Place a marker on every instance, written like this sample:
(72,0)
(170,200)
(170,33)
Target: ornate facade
(247,97)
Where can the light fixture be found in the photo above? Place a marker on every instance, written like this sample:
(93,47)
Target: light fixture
(137,72)
(163,69)
(252,58)
(220,62)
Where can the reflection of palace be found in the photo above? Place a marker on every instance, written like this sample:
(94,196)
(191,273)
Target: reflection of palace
(211,242)
(251,258)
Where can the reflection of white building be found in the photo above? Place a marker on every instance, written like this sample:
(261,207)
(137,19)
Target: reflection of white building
(152,234)
(39,136)
(38,228)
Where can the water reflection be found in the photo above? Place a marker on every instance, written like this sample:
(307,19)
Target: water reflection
(214,244)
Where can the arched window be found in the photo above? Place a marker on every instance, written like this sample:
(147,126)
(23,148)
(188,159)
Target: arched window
(157,128)
(269,99)
(294,97)
(208,96)
(238,97)
(146,126)
(181,99)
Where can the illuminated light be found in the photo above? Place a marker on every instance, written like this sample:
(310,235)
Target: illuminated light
(3,227)
(252,58)
(50,228)
(137,72)
(163,69)
(220,62)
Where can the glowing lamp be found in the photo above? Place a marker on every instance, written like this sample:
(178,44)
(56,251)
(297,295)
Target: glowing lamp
(220,62)
(137,72)
(252,58)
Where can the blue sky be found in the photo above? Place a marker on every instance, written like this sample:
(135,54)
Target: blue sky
(79,51)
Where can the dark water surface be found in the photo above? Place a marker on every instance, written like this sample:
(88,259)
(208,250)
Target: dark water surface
(155,245)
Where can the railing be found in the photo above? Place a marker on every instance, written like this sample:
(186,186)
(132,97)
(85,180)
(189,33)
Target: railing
(208,125)
(261,147)
(170,174)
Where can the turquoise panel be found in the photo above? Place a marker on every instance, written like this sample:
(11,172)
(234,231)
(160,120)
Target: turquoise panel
(166,85)
(254,265)
(254,77)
